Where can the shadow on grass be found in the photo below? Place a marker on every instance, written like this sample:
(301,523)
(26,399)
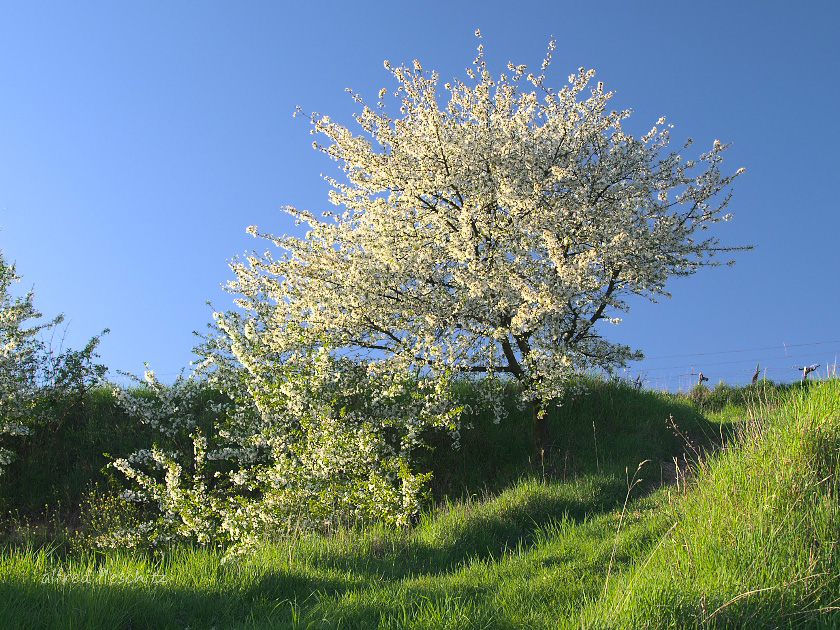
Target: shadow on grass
(607,428)
(277,597)
(458,534)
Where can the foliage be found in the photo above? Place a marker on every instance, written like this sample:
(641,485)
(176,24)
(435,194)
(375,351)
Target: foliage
(487,235)
(723,395)
(609,428)
(483,239)
(33,375)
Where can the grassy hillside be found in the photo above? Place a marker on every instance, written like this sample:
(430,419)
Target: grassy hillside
(754,540)
(589,537)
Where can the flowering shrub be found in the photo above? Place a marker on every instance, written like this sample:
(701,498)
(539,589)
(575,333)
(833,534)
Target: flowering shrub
(171,476)
(33,376)
(18,359)
(314,441)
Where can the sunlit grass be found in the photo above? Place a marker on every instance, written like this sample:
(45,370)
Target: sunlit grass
(750,539)
(755,540)
(485,563)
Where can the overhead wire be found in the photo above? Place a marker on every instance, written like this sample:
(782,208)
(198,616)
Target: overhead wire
(768,366)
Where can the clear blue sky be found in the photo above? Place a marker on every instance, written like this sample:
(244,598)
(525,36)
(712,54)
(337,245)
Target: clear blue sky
(138,140)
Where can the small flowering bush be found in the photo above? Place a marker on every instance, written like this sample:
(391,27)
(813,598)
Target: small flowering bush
(33,376)
(313,441)
(173,475)
(18,360)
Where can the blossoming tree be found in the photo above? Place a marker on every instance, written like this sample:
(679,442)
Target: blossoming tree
(485,234)
(488,231)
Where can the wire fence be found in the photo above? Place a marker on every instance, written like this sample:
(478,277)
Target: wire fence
(782,363)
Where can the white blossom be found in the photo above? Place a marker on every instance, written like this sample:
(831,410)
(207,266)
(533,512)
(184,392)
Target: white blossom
(22,356)
(486,235)
(490,232)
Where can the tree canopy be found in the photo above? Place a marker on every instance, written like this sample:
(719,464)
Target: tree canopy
(488,230)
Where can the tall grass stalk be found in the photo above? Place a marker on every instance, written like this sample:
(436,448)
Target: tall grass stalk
(630,485)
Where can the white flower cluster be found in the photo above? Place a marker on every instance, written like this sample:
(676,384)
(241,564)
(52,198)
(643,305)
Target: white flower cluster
(175,481)
(487,234)
(20,355)
(166,409)
(484,237)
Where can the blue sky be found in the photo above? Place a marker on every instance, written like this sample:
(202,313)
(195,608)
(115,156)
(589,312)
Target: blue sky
(138,140)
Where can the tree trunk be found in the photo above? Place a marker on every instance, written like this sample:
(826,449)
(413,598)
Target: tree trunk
(540,432)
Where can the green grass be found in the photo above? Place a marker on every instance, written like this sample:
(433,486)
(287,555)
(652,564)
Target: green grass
(603,431)
(755,541)
(750,541)
(60,471)
(487,563)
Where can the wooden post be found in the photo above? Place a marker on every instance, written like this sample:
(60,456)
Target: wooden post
(807,370)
